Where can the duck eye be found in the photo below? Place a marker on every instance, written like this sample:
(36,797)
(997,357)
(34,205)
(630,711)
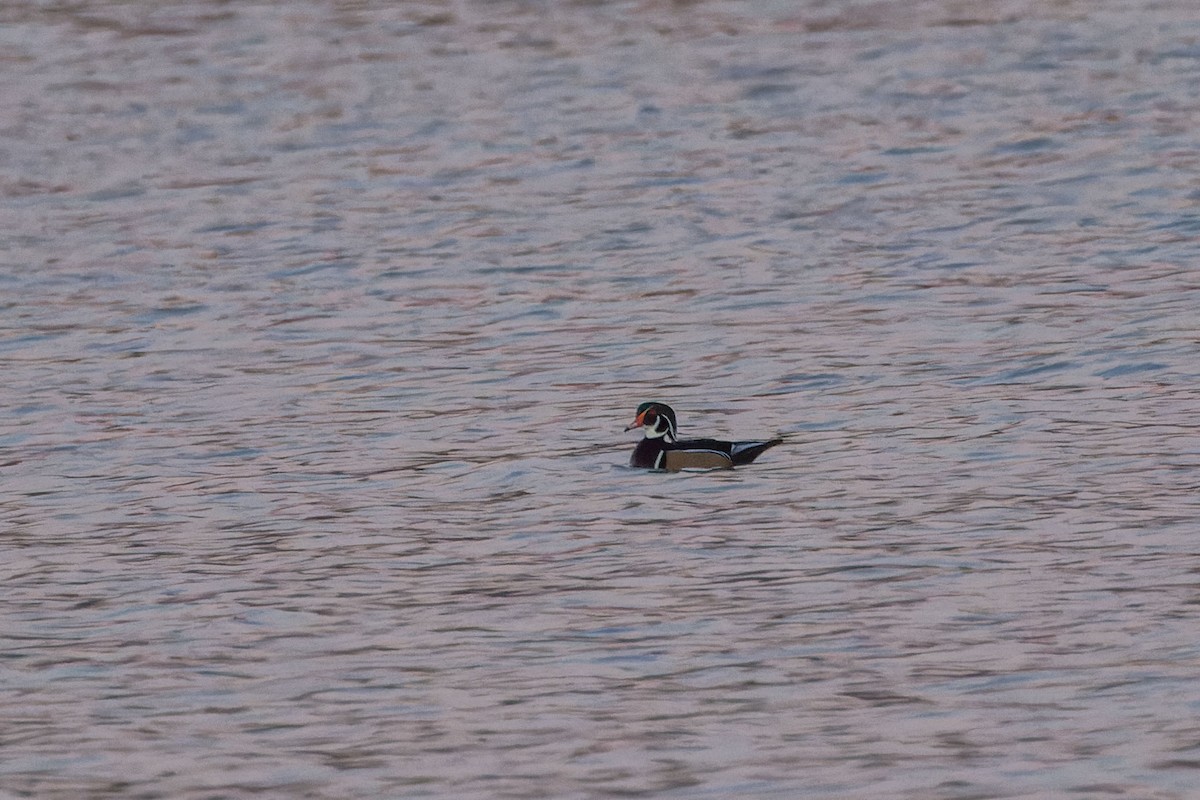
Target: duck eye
(651,416)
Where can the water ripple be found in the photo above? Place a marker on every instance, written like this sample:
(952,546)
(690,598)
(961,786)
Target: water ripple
(318,352)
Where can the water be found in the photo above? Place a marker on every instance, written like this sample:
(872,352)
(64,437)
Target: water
(320,324)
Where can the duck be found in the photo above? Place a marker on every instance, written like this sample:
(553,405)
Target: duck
(662,449)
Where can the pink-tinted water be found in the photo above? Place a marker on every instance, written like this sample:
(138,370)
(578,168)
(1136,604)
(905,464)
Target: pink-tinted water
(320,322)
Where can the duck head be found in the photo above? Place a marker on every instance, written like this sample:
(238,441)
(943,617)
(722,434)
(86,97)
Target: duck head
(656,419)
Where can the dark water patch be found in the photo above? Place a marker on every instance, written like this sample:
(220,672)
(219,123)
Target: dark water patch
(1023,373)
(120,192)
(1190,53)
(863,178)
(765,90)
(151,316)
(1189,224)
(304,270)
(913,151)
(1030,145)
(1130,369)
(237,228)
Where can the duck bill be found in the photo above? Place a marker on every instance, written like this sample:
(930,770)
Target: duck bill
(637,423)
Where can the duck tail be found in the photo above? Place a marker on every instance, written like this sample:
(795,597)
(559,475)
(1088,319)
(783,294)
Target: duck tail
(746,452)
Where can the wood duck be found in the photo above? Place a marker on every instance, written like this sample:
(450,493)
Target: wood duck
(661,448)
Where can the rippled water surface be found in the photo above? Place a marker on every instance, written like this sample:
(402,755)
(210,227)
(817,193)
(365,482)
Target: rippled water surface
(319,323)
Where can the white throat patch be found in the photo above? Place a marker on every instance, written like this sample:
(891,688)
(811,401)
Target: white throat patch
(652,431)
